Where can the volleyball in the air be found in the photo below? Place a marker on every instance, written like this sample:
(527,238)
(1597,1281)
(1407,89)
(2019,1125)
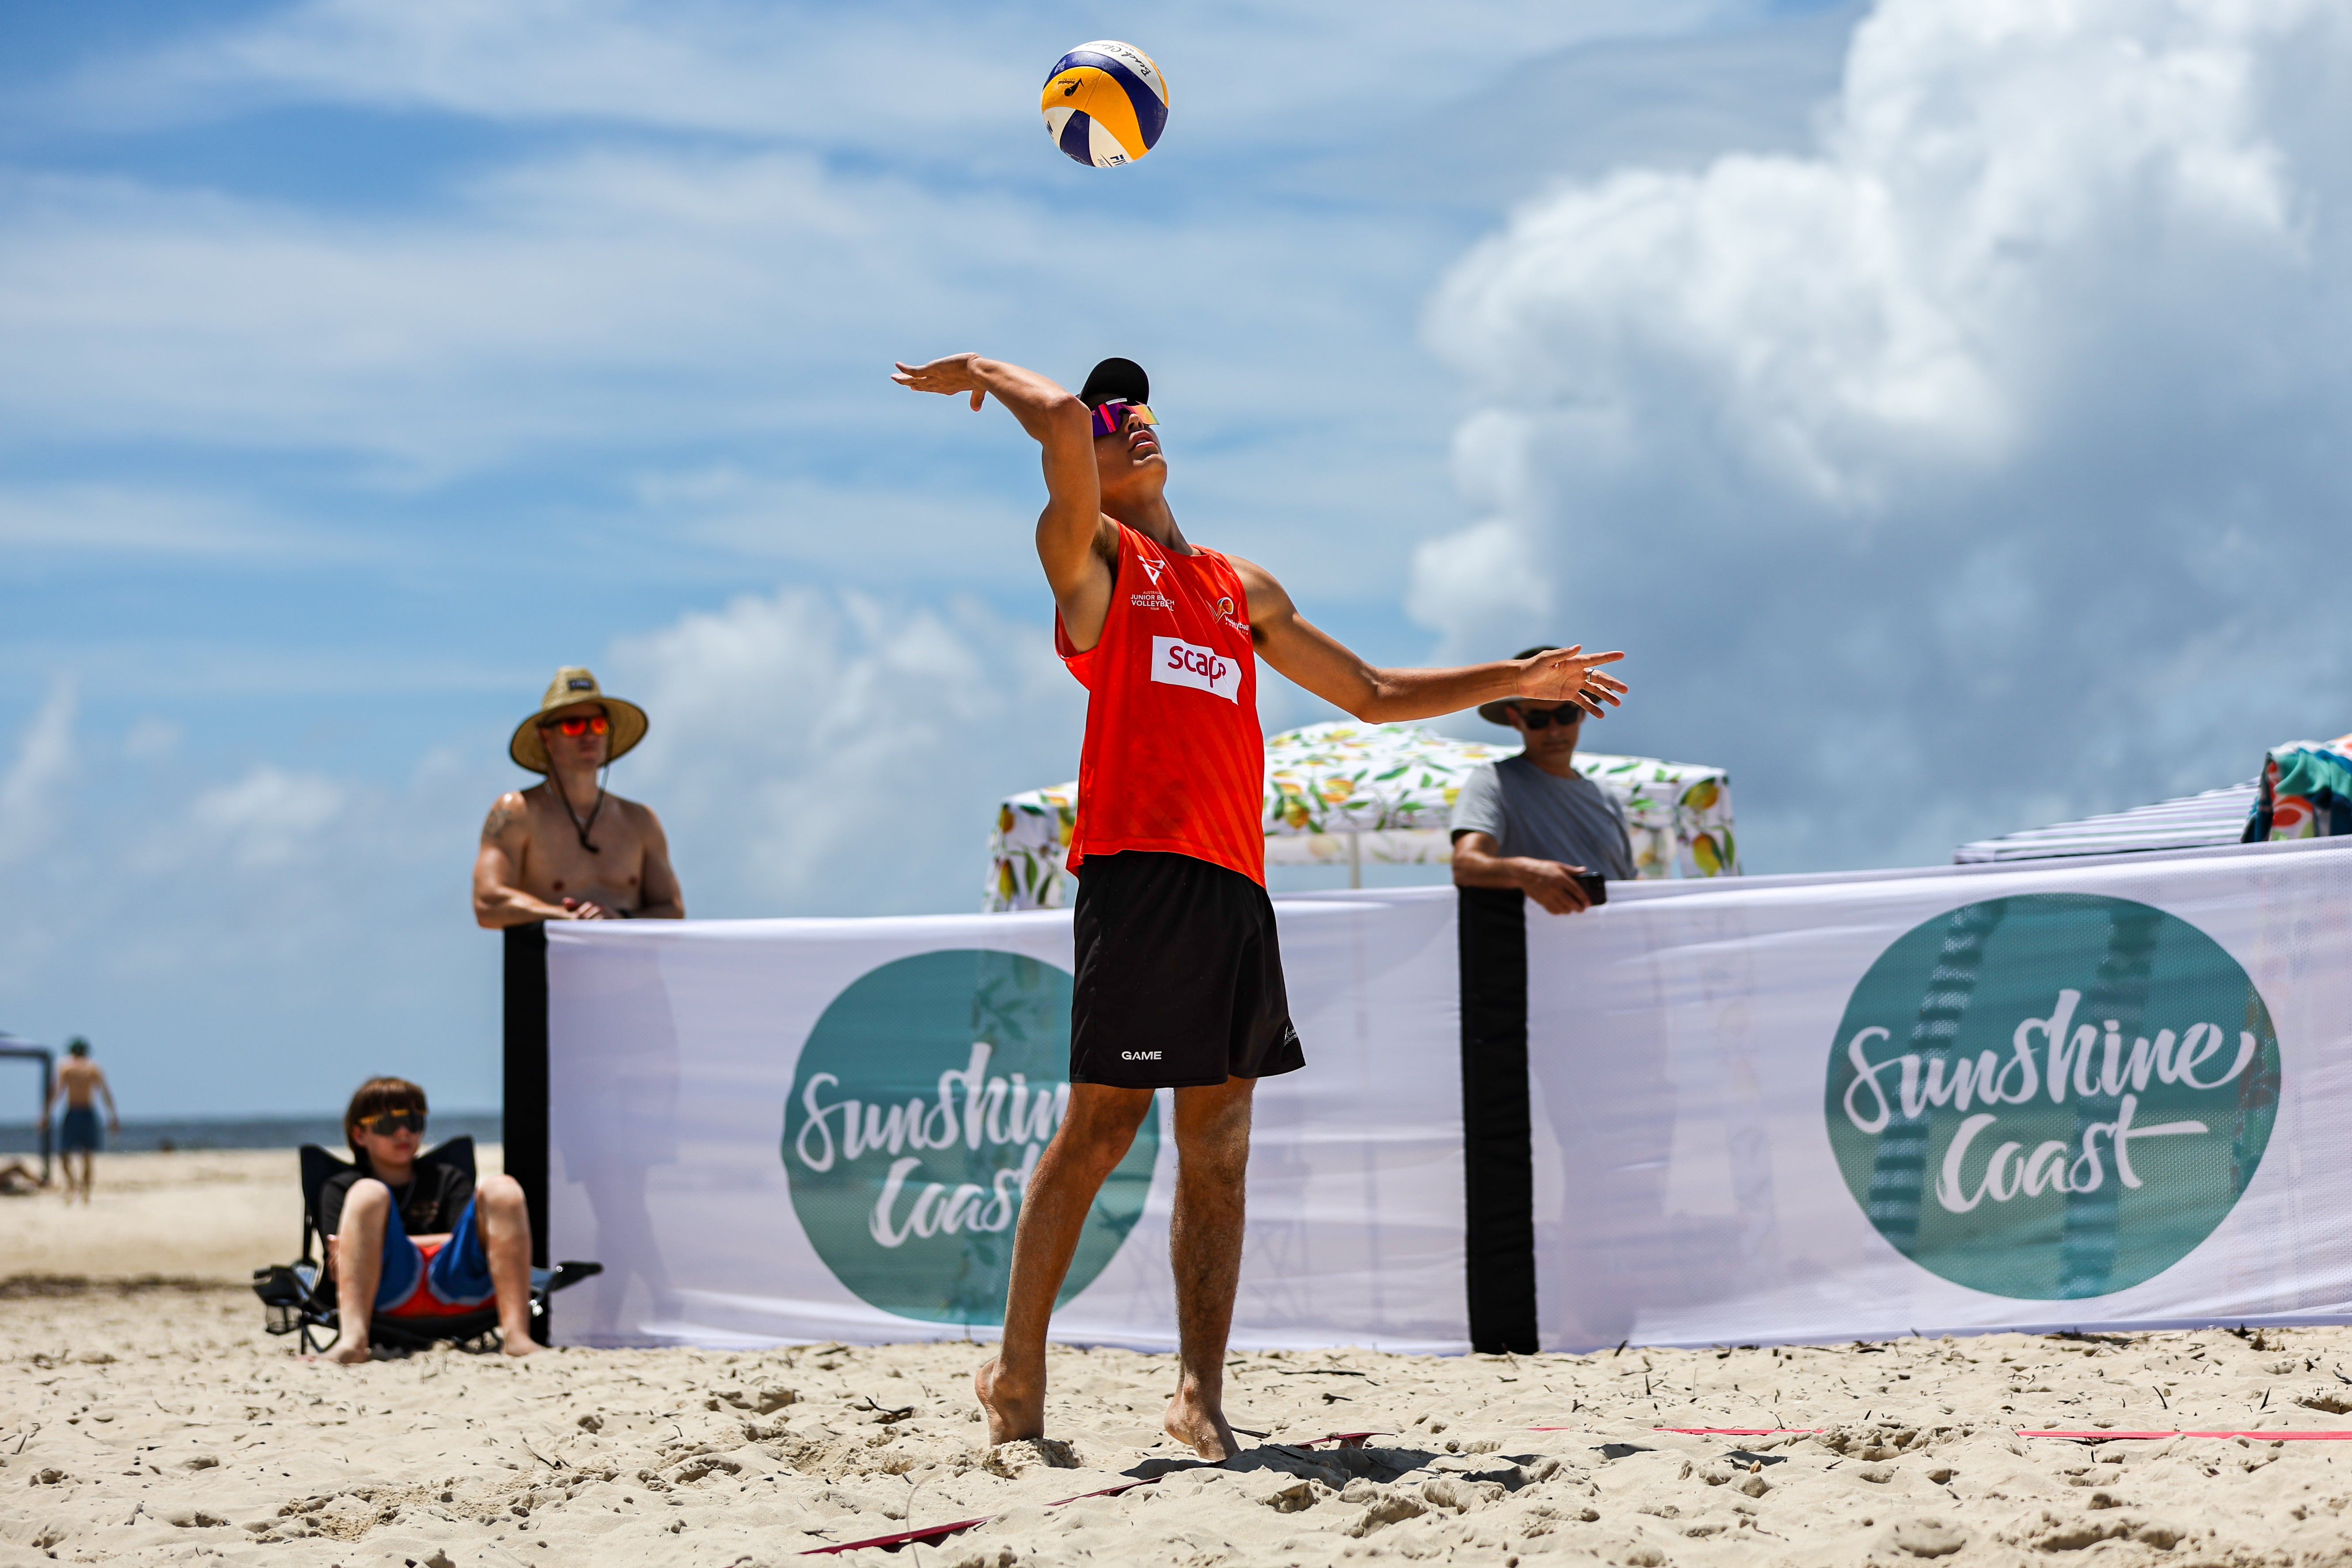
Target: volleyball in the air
(1105,103)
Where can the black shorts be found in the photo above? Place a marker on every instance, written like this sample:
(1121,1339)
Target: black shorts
(1179,977)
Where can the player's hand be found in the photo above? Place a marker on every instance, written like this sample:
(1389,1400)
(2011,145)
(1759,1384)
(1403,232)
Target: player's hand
(581,909)
(1554,886)
(957,373)
(1569,675)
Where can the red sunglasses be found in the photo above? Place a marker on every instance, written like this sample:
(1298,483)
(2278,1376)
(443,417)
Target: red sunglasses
(1110,418)
(595,724)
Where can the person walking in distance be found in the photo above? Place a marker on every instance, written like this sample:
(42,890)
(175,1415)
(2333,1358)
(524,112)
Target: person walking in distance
(80,1083)
(1179,981)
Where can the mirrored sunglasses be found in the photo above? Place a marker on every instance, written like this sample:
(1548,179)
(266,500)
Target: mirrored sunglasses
(1111,418)
(594,724)
(385,1124)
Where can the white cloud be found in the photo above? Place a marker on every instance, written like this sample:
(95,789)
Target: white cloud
(814,752)
(108,517)
(271,818)
(1980,453)
(1483,571)
(32,790)
(933,74)
(153,738)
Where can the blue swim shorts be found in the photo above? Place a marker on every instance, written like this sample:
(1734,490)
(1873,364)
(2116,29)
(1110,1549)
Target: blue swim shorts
(433,1279)
(78,1130)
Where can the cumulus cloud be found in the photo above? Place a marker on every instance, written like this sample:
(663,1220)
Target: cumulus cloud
(32,790)
(839,752)
(271,818)
(1979,460)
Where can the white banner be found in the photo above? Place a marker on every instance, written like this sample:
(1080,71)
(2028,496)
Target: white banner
(808,1129)
(2069,1094)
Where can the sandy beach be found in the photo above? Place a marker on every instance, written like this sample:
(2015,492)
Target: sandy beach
(145,1418)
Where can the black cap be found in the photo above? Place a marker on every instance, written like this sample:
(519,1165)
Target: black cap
(1116,381)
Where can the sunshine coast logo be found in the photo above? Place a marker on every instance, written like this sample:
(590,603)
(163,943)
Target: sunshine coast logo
(924,1098)
(2051,1096)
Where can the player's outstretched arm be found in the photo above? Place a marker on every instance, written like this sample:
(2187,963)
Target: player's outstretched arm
(1319,662)
(1069,529)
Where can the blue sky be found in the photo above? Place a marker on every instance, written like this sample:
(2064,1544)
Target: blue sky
(1945,470)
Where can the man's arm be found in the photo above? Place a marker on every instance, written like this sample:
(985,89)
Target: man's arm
(497,902)
(1479,862)
(113,1117)
(1076,543)
(660,898)
(1319,662)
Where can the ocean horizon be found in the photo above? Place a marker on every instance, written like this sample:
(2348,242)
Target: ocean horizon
(146,1135)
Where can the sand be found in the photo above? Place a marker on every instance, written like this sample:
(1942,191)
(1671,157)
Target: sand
(157,1422)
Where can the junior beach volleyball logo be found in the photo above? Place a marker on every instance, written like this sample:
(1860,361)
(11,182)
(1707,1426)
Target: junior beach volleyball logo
(924,1098)
(2051,1096)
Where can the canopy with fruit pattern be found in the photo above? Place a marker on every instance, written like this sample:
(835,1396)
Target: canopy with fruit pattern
(1346,793)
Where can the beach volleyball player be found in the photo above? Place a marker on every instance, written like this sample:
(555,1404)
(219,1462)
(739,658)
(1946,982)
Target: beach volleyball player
(1179,981)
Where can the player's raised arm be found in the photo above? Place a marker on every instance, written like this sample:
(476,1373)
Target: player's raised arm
(1319,662)
(1069,529)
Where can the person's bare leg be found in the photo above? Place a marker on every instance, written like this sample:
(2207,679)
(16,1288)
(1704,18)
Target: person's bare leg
(1092,1139)
(359,1265)
(504,1218)
(1204,1245)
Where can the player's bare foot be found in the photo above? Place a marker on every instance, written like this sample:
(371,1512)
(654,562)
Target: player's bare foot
(520,1344)
(1199,1424)
(347,1354)
(1012,1413)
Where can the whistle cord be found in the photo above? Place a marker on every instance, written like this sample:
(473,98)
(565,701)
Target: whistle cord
(593,812)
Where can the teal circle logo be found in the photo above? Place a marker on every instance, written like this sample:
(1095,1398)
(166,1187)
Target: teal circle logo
(923,1100)
(2051,1096)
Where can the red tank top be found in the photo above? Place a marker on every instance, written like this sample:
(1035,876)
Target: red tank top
(1174,759)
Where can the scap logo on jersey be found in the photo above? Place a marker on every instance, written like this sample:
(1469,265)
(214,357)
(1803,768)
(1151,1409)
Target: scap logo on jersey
(1176,662)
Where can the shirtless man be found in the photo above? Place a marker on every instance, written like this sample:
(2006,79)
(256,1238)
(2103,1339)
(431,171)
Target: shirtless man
(565,850)
(1179,981)
(79,1082)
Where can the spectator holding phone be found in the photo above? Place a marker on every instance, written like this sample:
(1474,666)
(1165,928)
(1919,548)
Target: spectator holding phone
(1534,823)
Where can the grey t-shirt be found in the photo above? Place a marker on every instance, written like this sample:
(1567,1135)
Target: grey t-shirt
(1546,817)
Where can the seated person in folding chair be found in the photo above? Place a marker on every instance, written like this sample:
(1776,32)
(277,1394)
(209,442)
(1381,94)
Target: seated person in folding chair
(418,1243)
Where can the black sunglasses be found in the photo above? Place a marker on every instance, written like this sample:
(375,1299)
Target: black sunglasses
(385,1124)
(1545,718)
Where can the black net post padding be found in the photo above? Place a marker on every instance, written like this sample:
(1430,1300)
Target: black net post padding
(1497,1159)
(526,1075)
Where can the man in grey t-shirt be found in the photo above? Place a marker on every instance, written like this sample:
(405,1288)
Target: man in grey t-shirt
(1532,822)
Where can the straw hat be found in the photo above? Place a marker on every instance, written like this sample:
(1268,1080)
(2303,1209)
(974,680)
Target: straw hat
(574,684)
(1499,713)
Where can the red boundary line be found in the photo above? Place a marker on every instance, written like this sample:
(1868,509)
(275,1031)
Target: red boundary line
(2278,1436)
(928,1533)
(931,1532)
(2095,1435)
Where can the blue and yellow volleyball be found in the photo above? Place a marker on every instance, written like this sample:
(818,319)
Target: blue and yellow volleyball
(1105,103)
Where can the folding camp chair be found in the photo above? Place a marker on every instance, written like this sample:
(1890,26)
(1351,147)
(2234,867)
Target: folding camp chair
(299,1296)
